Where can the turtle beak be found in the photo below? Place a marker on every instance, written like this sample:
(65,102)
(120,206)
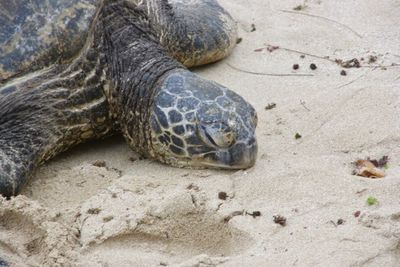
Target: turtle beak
(239,156)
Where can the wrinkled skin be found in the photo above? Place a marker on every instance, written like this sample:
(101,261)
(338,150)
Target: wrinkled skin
(128,76)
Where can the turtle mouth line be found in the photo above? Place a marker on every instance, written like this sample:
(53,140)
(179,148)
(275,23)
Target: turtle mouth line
(212,165)
(228,159)
(225,166)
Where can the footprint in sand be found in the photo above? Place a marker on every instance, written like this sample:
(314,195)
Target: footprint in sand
(30,237)
(129,228)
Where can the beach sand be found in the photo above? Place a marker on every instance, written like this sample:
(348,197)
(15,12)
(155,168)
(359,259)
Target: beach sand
(135,212)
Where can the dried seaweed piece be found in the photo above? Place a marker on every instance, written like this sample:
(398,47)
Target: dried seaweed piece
(380,163)
(352,63)
(372,59)
(278,219)
(299,7)
(270,106)
(93,211)
(340,222)
(233,214)
(338,61)
(372,201)
(254,213)
(222,195)
(271,48)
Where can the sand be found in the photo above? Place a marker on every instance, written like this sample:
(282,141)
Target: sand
(134,212)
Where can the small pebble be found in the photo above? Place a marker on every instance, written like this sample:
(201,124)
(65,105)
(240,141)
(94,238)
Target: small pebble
(296,66)
(313,66)
(343,73)
(222,195)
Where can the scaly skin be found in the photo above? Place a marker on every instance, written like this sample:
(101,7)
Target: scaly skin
(126,77)
(38,33)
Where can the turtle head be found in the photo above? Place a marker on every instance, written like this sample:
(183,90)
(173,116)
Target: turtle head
(199,123)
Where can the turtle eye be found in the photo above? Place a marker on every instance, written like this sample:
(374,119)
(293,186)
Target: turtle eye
(217,137)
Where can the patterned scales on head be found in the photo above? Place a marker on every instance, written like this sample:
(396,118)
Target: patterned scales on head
(194,116)
(76,70)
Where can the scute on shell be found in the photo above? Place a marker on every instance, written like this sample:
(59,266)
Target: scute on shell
(37,33)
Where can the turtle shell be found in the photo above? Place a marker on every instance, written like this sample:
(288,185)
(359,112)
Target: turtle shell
(38,33)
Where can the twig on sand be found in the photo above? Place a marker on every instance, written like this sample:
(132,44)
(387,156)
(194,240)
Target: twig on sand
(336,61)
(381,66)
(307,54)
(352,81)
(270,74)
(324,18)
(303,103)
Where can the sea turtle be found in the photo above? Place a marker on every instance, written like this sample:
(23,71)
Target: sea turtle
(75,70)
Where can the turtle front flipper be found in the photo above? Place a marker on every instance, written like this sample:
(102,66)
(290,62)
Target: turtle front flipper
(195,32)
(44,115)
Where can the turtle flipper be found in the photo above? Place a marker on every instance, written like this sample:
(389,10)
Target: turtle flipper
(27,129)
(20,148)
(195,32)
(25,142)
(45,115)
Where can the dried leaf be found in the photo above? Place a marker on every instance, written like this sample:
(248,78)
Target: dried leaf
(366,168)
